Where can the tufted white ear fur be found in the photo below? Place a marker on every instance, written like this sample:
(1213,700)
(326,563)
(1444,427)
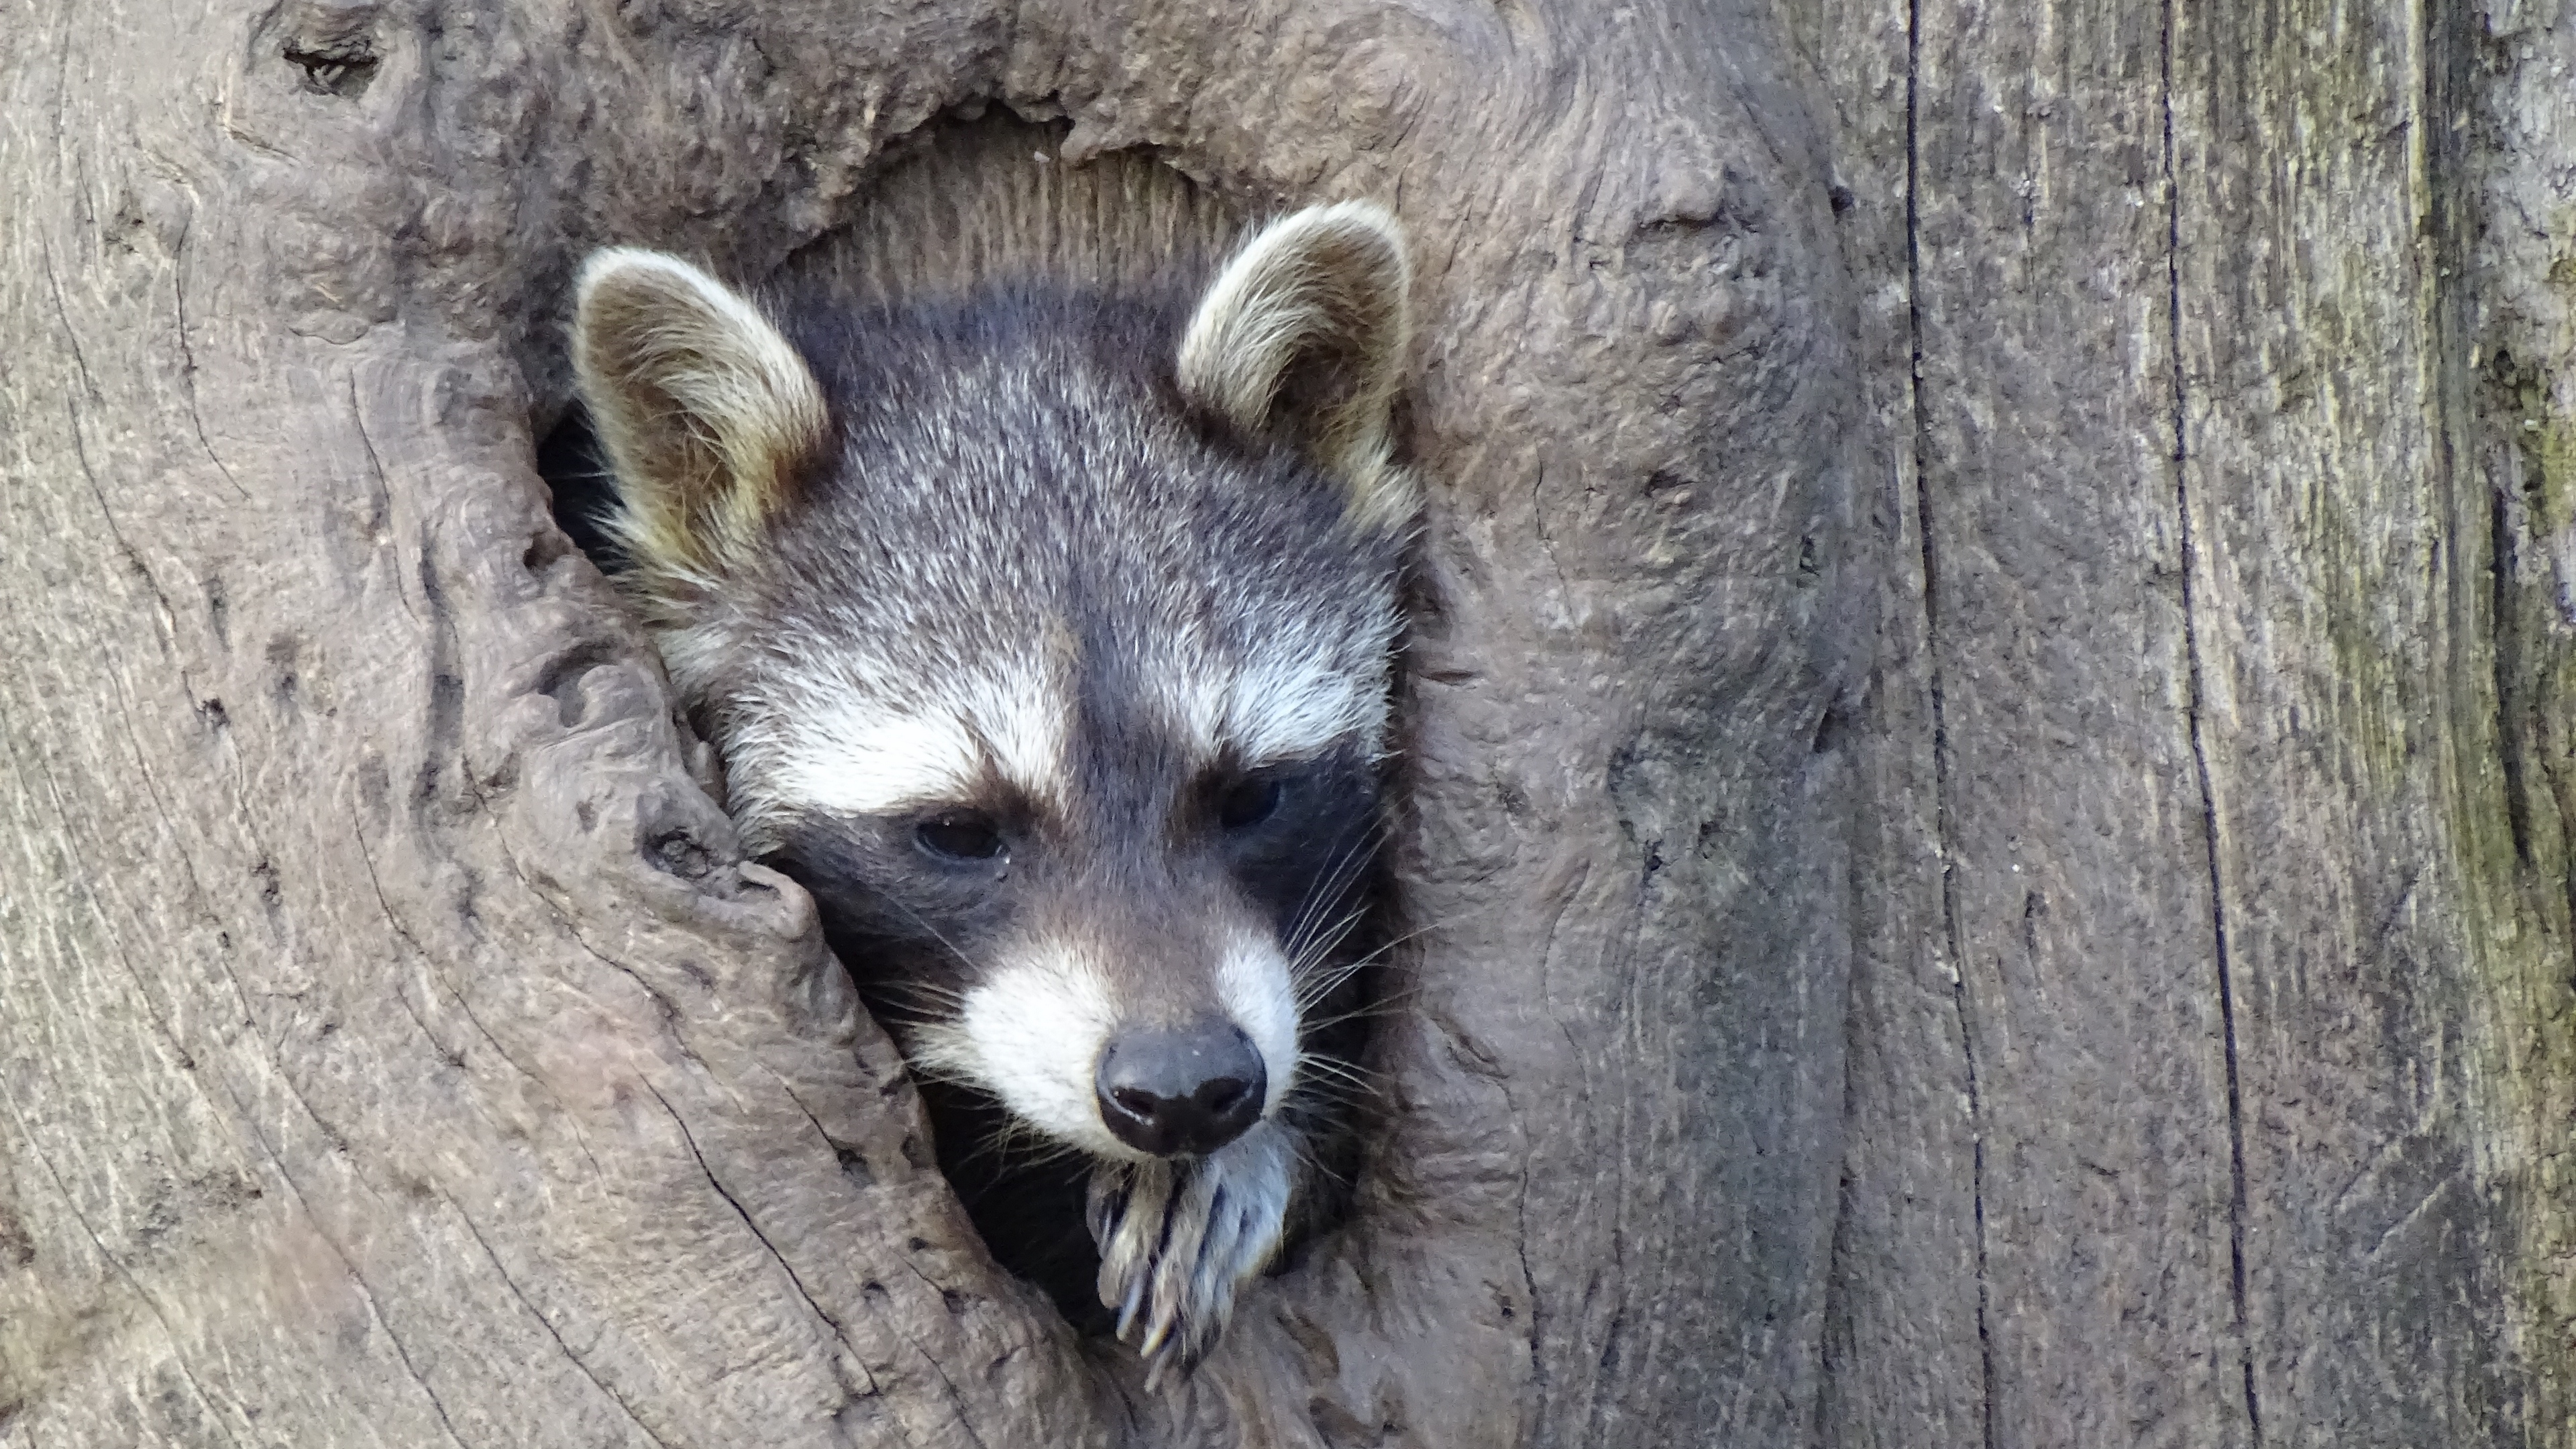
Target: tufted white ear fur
(706,412)
(1302,337)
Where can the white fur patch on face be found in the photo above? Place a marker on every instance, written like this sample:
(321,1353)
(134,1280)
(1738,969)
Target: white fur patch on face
(1287,709)
(854,763)
(1032,1035)
(849,755)
(1253,984)
(1285,705)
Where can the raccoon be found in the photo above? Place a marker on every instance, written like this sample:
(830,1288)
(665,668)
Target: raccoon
(1045,633)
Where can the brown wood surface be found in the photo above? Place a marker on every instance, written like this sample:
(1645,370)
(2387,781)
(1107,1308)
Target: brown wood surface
(2515,239)
(396,1052)
(2223,690)
(1990,786)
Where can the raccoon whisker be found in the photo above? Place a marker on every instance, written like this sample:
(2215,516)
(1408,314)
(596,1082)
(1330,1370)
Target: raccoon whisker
(931,1069)
(910,1026)
(1011,1139)
(1303,1146)
(1315,981)
(1325,1109)
(1374,1011)
(1051,1151)
(1315,987)
(1364,836)
(1350,858)
(1323,1068)
(1322,1106)
(934,989)
(1322,1111)
(1321,987)
(1323,940)
(1321,949)
(1318,988)
(916,995)
(1318,931)
(1316,978)
(941,937)
(1315,1157)
(987,1147)
(1349,861)
(1308,1002)
(1382,1004)
(991,1151)
(1014,1141)
(1322,933)
(1317,1070)
(1405,937)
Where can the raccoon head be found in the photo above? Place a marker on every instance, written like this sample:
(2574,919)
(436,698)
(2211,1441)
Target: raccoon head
(1046,637)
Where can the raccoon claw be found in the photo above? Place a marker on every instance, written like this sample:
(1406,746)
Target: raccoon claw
(1178,1237)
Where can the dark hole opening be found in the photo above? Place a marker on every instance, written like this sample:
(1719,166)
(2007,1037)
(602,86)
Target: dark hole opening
(333,68)
(576,474)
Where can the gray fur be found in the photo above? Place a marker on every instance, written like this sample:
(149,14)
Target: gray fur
(1036,582)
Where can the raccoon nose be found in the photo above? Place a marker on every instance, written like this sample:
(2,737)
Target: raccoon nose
(1180,1092)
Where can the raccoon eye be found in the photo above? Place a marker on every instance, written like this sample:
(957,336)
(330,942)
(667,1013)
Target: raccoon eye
(962,835)
(1249,801)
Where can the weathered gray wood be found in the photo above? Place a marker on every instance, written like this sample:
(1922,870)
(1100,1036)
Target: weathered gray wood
(2078,898)
(2343,634)
(2174,397)
(1904,1355)
(2248,668)
(378,1070)
(2069,912)
(393,1048)
(2518,202)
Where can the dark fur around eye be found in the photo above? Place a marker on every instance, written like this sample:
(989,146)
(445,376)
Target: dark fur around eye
(960,835)
(1249,801)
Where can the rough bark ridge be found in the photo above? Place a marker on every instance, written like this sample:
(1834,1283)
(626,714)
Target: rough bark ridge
(394,1050)
(2211,1034)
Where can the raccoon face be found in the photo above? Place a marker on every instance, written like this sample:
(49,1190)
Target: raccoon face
(1046,639)
(1116,946)
(1095,866)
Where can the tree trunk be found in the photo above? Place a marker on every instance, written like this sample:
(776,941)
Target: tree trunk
(2212,1054)
(397,1049)
(2136,1008)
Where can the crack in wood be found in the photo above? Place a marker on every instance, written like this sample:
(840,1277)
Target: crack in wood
(1942,835)
(2236,1195)
(957,1401)
(547,1324)
(124,1272)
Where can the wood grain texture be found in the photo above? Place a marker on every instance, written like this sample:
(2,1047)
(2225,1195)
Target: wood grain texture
(2078,889)
(2347,715)
(1905,1360)
(2519,250)
(395,1049)
(2241,587)
(2124,449)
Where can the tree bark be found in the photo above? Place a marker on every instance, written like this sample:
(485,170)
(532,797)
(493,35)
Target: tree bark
(398,1051)
(1989,786)
(2211,1037)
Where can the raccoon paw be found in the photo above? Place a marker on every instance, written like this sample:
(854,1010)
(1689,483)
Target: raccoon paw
(1178,1238)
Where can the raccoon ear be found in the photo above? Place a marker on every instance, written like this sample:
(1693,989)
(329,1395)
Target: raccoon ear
(1302,336)
(706,412)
